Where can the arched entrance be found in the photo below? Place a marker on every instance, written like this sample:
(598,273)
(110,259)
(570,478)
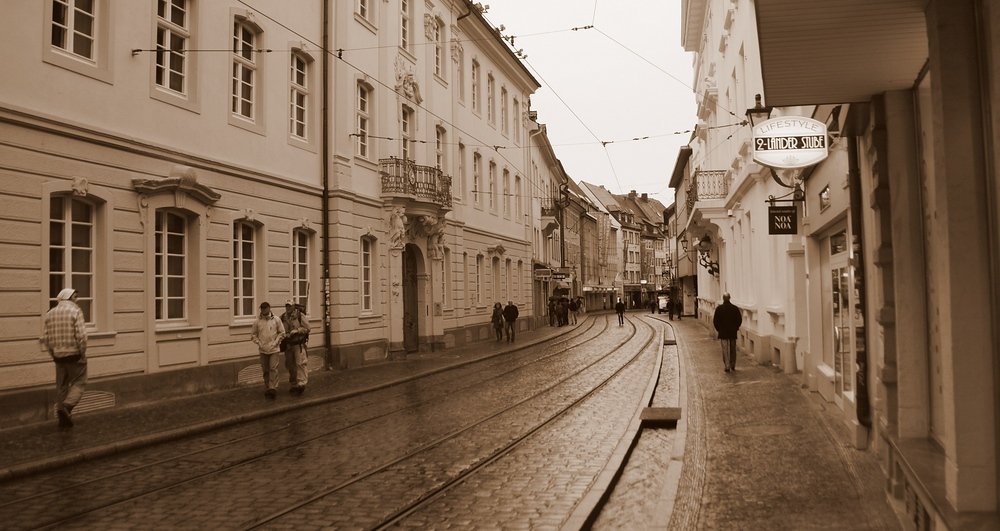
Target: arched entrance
(412,268)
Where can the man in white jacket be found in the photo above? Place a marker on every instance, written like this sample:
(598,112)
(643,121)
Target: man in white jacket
(267,332)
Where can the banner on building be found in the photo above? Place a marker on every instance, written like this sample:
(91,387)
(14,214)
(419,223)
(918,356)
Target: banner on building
(782,219)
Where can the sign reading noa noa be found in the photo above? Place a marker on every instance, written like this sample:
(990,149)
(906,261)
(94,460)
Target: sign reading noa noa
(789,142)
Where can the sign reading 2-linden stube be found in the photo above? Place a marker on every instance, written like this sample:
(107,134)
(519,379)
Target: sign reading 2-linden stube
(789,142)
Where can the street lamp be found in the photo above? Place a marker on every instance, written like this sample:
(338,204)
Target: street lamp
(758,113)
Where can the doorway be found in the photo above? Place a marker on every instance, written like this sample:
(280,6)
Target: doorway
(411,303)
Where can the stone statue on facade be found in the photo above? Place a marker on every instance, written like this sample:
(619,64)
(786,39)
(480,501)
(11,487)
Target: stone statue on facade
(397,228)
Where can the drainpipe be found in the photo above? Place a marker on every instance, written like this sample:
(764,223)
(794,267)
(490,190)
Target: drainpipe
(854,182)
(325,140)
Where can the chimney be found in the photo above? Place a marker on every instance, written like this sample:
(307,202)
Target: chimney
(645,196)
(631,194)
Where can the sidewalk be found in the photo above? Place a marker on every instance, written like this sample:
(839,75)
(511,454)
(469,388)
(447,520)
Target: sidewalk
(42,446)
(763,453)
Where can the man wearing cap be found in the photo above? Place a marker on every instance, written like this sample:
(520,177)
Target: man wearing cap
(267,332)
(65,337)
(295,346)
(727,321)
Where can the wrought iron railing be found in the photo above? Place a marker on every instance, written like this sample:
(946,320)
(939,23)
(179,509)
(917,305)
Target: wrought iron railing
(550,207)
(403,176)
(707,184)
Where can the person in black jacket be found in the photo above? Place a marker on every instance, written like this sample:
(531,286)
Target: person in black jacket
(497,320)
(727,321)
(509,316)
(620,310)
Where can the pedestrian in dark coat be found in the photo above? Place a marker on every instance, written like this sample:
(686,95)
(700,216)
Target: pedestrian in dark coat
(620,310)
(552,312)
(497,320)
(727,321)
(572,310)
(509,316)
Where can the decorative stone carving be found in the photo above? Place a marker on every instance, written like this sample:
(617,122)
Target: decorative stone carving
(182,179)
(406,83)
(496,250)
(305,224)
(429,24)
(248,214)
(397,228)
(457,51)
(80,187)
(435,229)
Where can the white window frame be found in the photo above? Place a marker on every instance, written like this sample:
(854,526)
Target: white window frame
(301,264)
(363,122)
(519,210)
(446,275)
(84,280)
(172,38)
(493,185)
(504,118)
(508,280)
(366,275)
(458,184)
(63,53)
(437,36)
(246,62)
(516,115)
(405,25)
(298,96)
(479,280)
(240,278)
(440,140)
(491,97)
(164,279)
(506,193)
(477,179)
(461,75)
(476,89)
(406,127)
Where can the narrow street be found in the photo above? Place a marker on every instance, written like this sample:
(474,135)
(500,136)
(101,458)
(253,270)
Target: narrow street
(529,436)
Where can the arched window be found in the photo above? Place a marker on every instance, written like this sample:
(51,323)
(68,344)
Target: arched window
(72,256)
(244,268)
(171,269)
(301,267)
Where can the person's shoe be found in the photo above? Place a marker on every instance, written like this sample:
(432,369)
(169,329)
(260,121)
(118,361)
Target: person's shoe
(293,390)
(727,369)
(65,421)
(270,394)
(297,390)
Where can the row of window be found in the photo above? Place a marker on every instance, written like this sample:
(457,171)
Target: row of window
(73,233)
(78,30)
(72,259)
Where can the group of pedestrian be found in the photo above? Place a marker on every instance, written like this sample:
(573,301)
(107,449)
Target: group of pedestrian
(288,334)
(564,310)
(503,320)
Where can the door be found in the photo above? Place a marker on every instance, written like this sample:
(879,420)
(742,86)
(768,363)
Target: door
(411,314)
(843,320)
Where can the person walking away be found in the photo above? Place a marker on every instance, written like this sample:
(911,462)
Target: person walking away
(497,320)
(65,337)
(620,310)
(267,332)
(670,308)
(652,306)
(552,312)
(727,321)
(294,347)
(510,316)
(572,310)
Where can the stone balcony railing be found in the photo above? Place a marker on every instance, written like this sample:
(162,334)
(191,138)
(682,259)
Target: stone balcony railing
(402,177)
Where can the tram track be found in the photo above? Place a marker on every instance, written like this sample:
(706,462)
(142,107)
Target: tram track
(485,461)
(552,349)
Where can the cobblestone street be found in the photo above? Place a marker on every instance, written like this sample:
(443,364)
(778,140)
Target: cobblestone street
(513,438)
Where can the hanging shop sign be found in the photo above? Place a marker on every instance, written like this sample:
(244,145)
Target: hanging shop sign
(782,219)
(789,142)
(543,275)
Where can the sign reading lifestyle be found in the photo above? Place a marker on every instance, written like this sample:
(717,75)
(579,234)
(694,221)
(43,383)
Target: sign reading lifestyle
(789,142)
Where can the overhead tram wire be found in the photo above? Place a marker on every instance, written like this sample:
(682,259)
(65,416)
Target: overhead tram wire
(656,66)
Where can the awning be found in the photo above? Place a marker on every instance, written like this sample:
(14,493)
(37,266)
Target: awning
(842,51)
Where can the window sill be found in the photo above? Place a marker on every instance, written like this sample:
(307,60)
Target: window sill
(242,322)
(365,163)
(187,102)
(180,331)
(101,339)
(366,23)
(369,319)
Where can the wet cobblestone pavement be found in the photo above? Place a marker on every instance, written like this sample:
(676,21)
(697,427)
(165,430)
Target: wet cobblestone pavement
(466,445)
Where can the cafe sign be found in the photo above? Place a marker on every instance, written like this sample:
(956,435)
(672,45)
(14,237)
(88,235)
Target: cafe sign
(789,142)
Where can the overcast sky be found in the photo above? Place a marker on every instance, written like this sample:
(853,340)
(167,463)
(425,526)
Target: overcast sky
(594,88)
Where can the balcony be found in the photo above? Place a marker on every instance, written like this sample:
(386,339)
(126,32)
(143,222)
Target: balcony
(403,179)
(550,215)
(706,185)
